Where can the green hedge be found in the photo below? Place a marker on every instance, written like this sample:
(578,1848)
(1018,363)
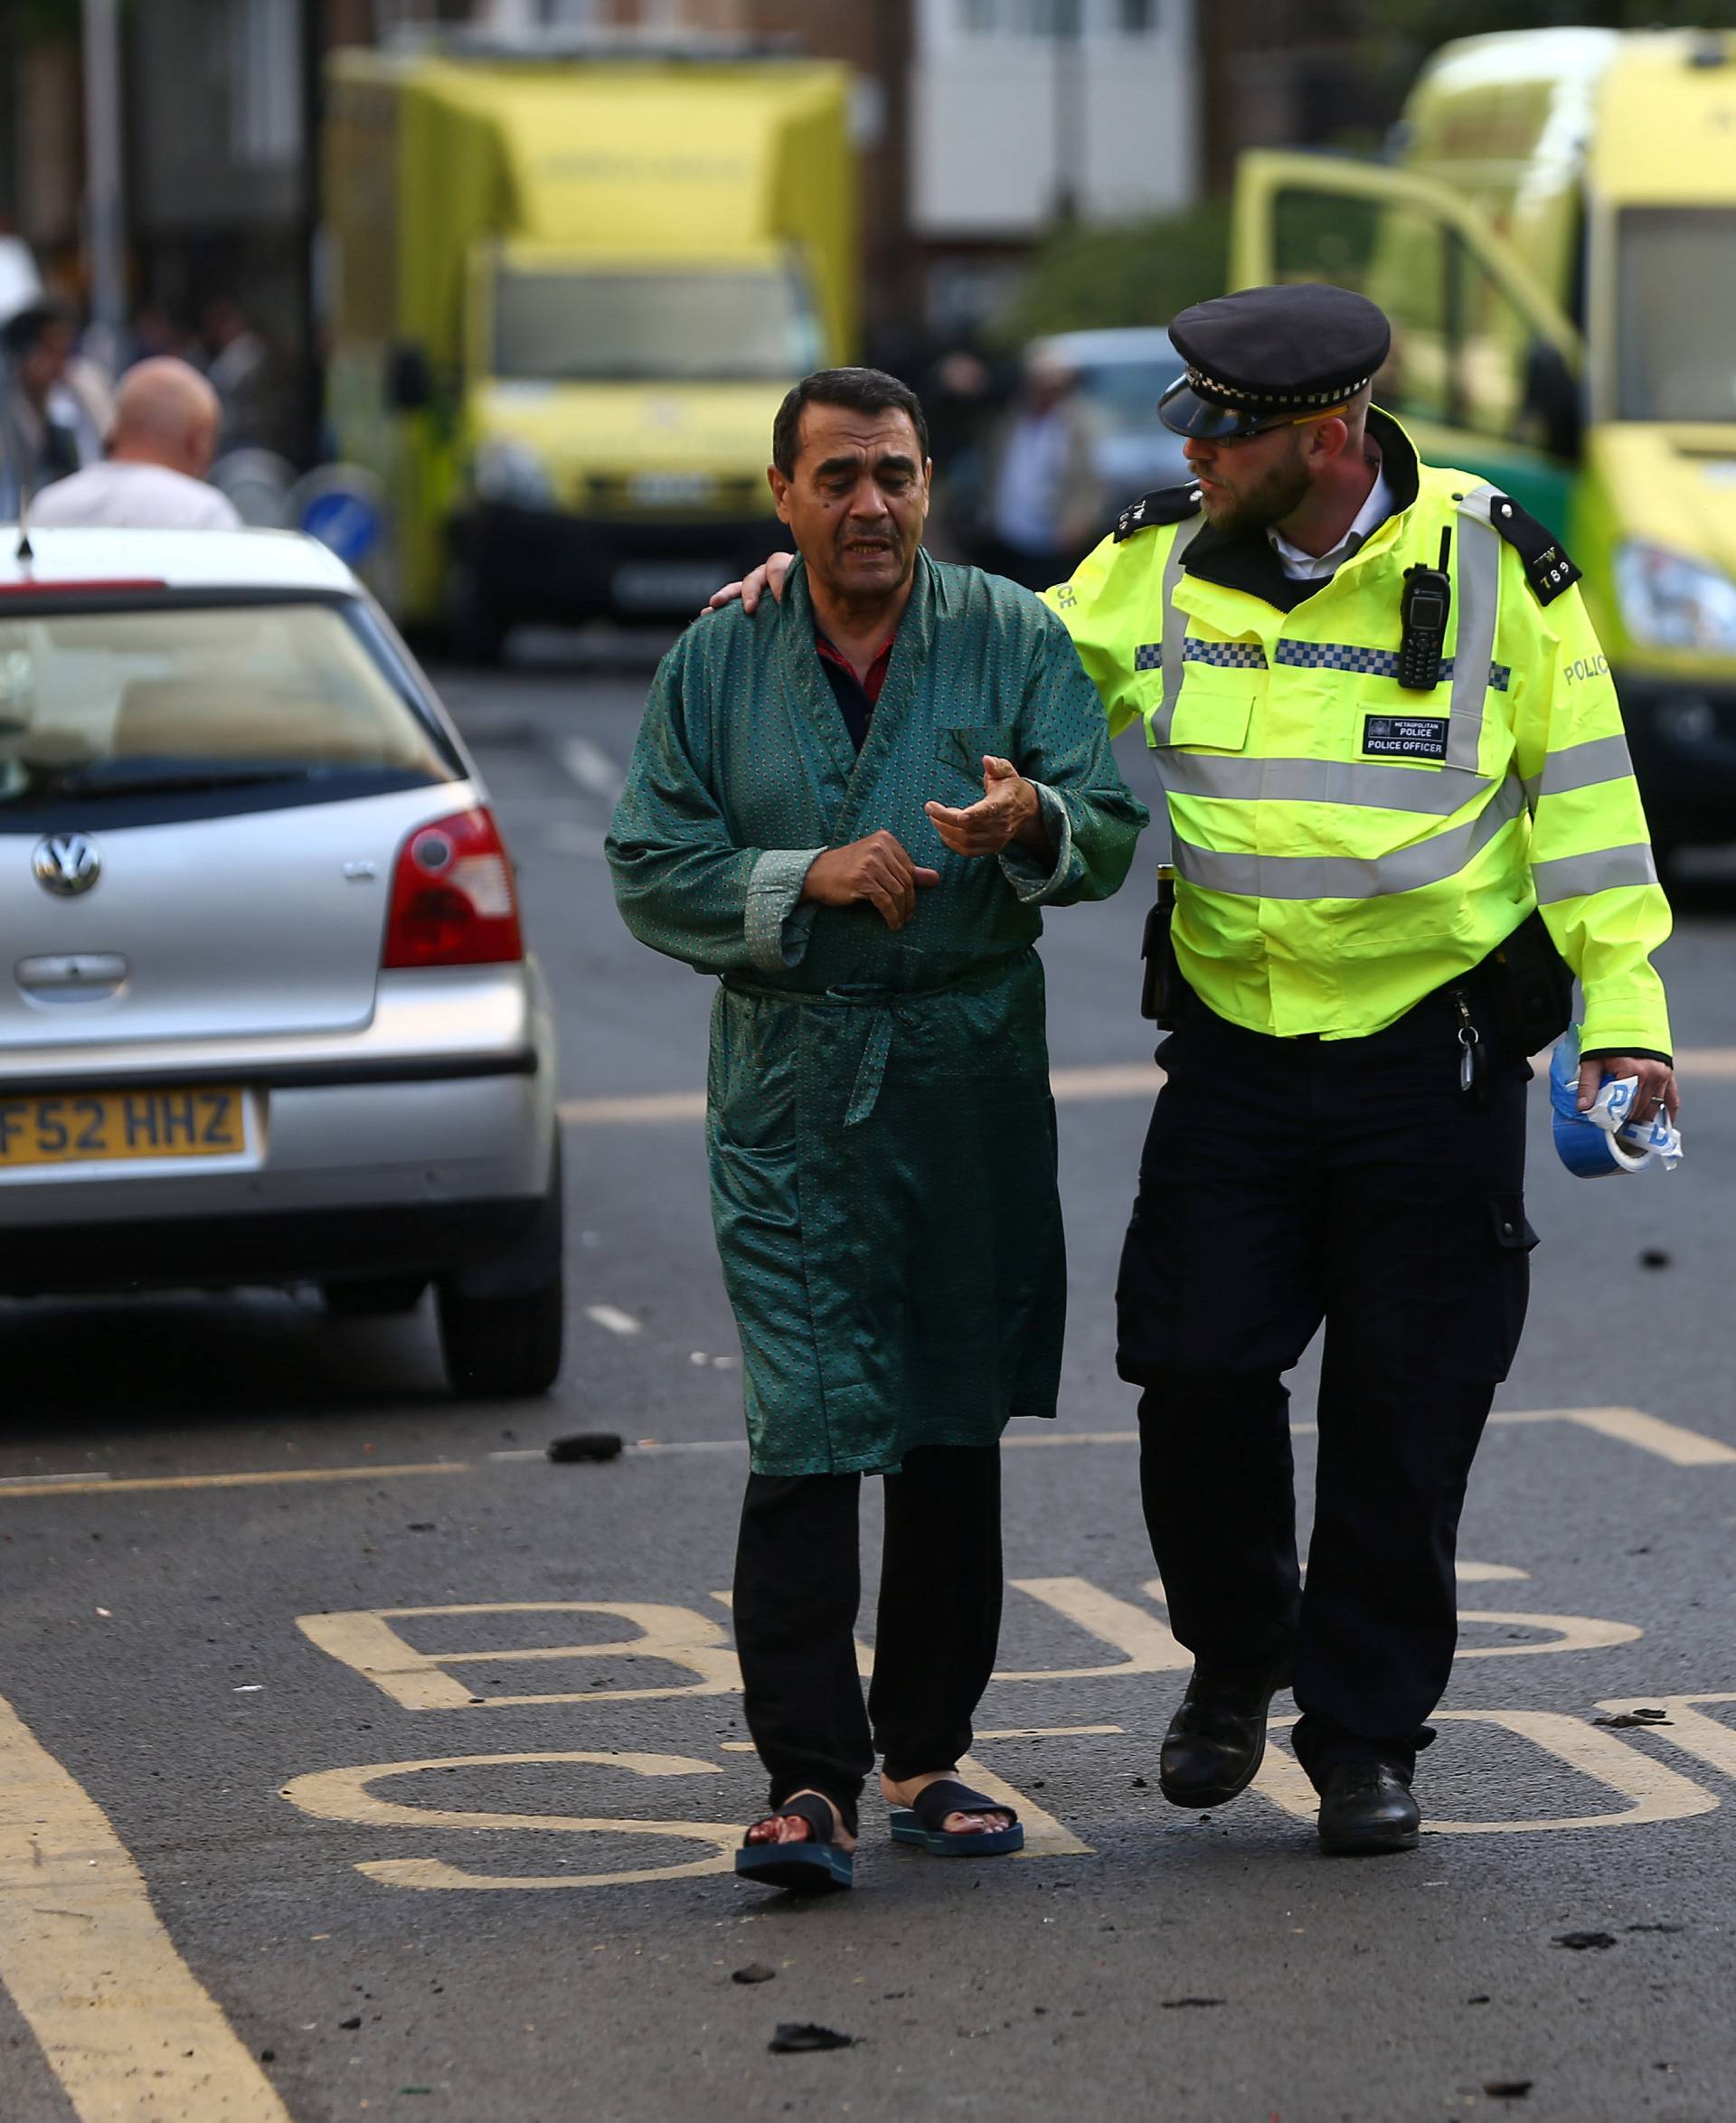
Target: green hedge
(1142,272)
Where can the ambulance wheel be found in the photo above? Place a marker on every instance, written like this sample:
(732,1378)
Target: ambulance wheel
(502,1348)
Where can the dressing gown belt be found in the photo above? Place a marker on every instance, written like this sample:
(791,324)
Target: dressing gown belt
(887,1005)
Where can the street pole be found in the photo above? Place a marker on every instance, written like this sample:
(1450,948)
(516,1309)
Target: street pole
(1068,38)
(102,204)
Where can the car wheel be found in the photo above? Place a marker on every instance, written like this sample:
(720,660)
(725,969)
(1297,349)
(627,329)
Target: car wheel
(502,1347)
(375,1297)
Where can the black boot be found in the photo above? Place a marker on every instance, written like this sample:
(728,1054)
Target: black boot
(1216,1741)
(1366,1809)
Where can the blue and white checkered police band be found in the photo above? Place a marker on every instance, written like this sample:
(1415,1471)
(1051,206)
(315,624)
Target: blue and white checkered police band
(1317,656)
(1232,655)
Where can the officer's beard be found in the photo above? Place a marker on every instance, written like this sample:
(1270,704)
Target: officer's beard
(1256,508)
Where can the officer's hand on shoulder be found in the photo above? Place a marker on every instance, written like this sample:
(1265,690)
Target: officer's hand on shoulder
(767,576)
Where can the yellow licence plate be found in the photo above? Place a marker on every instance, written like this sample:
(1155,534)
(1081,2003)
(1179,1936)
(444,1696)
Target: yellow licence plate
(84,1127)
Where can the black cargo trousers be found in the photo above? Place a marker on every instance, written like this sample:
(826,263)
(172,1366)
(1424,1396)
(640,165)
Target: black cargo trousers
(1284,1183)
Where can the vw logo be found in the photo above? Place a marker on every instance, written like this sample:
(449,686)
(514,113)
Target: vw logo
(66,865)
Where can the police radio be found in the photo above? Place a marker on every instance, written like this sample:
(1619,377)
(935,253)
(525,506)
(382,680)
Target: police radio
(1423,607)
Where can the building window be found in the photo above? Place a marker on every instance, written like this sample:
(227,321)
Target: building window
(264,83)
(1058,18)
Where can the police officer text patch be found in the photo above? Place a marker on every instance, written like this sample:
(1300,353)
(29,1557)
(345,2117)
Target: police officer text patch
(1405,737)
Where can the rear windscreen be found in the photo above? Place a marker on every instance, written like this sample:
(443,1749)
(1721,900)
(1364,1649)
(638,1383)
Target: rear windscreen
(233,706)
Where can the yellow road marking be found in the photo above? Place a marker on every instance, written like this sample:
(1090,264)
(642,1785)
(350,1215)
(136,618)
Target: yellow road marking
(1044,1836)
(655,1106)
(126,2028)
(1109,1079)
(1628,1426)
(1657,1793)
(1143,1639)
(1004,1732)
(1706,1061)
(1574,1632)
(1685,1726)
(343,1794)
(1113,1080)
(106,1486)
(1649,1433)
(1137,1080)
(365,1640)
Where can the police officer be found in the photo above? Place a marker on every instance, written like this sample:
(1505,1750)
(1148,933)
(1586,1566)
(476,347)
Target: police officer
(1401,808)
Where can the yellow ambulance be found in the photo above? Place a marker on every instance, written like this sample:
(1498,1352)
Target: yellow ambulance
(566,292)
(1554,239)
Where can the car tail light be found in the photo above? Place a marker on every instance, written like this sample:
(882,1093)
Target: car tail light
(452,898)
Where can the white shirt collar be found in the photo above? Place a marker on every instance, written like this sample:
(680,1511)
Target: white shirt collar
(1308,567)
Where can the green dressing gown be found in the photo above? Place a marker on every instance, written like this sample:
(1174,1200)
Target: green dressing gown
(881,1135)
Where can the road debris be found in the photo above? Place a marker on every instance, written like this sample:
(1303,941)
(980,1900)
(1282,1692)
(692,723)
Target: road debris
(587,1444)
(1631,1720)
(755,1972)
(1508,2089)
(1583,1942)
(1172,2004)
(796,2035)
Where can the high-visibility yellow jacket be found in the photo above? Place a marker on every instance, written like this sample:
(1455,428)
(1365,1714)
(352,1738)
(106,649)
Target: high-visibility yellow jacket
(1343,846)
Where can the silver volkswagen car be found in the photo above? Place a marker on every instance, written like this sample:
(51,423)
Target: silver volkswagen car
(266,1011)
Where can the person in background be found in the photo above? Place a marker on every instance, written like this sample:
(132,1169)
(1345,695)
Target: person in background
(238,371)
(160,448)
(49,426)
(1043,503)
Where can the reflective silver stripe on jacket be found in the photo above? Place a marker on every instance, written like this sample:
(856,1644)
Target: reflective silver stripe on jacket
(1174,626)
(1476,588)
(1432,791)
(1358,877)
(1570,877)
(1581,766)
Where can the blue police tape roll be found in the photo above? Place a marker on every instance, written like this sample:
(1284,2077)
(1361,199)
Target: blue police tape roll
(1589,1151)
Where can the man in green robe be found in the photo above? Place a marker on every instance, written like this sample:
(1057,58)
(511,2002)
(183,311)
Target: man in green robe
(802,818)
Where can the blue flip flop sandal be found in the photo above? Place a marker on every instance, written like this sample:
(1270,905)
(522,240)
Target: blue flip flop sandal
(921,1824)
(817,1866)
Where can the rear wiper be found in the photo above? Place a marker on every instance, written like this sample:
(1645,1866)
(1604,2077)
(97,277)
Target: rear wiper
(97,784)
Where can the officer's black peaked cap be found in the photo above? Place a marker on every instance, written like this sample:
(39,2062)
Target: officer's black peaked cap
(1267,356)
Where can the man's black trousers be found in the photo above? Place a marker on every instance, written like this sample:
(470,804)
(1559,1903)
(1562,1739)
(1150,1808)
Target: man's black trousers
(1284,1183)
(797,1587)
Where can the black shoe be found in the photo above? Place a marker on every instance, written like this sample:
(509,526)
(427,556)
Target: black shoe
(1366,1809)
(1216,1741)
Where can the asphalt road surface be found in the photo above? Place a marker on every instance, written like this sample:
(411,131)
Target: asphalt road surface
(361,1761)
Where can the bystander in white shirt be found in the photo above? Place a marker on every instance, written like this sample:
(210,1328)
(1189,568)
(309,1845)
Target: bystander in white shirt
(126,496)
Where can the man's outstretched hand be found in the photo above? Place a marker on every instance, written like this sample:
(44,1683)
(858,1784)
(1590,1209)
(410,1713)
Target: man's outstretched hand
(767,576)
(1008,812)
(877,870)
